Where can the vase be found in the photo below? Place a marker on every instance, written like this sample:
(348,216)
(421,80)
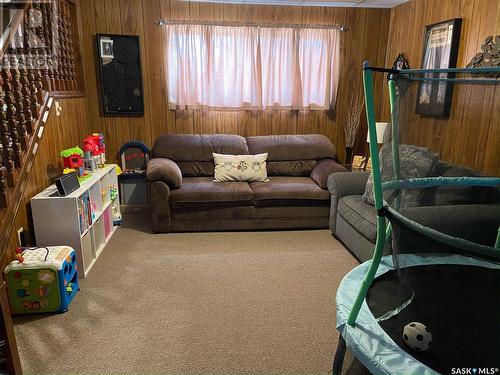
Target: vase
(348,155)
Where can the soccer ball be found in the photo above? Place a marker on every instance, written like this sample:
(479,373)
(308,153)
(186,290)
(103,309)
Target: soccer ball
(417,336)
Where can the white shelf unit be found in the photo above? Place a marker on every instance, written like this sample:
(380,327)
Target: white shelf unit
(67,221)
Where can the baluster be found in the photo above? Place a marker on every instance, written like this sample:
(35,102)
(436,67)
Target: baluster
(66,53)
(6,178)
(60,41)
(38,78)
(46,52)
(3,182)
(18,116)
(8,153)
(8,150)
(34,98)
(26,125)
(20,124)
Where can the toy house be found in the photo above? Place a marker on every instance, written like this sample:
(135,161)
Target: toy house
(73,159)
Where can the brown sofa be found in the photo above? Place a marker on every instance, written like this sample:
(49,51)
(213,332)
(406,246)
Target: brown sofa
(185,198)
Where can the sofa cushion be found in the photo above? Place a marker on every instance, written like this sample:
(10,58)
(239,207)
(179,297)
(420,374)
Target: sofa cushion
(290,168)
(415,162)
(323,169)
(203,190)
(198,147)
(292,147)
(196,168)
(288,189)
(360,215)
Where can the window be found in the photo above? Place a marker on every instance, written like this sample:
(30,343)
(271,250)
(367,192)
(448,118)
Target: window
(225,67)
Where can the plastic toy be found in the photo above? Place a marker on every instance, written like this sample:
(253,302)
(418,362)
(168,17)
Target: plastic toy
(134,192)
(89,162)
(134,156)
(73,160)
(417,336)
(94,146)
(43,279)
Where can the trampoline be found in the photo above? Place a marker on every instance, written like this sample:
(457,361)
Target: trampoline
(442,279)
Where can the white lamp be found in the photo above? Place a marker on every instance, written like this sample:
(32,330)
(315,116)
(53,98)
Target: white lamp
(381,127)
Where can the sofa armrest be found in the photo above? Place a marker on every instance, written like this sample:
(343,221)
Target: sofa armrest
(159,205)
(342,184)
(347,183)
(166,170)
(323,169)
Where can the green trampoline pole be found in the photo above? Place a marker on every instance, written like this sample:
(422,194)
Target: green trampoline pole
(394,128)
(497,242)
(377,193)
(394,134)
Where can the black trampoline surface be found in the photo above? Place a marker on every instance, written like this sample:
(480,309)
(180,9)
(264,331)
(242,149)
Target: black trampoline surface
(459,304)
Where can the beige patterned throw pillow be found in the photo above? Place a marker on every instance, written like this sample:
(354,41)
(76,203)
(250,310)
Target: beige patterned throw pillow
(249,168)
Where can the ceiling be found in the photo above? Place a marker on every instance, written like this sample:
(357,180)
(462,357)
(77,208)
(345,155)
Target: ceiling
(326,3)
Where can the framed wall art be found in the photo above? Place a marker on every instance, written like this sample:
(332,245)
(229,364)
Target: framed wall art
(440,51)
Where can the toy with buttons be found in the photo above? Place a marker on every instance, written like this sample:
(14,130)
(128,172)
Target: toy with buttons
(42,279)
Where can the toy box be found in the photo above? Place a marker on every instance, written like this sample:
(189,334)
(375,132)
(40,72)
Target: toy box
(45,281)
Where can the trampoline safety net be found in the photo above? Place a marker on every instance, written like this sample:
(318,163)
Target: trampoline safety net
(439,298)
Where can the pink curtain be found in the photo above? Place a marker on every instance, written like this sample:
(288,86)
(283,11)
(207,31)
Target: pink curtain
(224,67)
(319,67)
(280,70)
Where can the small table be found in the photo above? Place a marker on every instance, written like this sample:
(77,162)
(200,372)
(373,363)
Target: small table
(361,163)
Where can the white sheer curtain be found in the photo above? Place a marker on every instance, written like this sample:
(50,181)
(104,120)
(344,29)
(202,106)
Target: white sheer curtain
(225,67)
(319,67)
(280,70)
(232,65)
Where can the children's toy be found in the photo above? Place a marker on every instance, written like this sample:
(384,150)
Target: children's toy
(89,162)
(417,336)
(73,160)
(43,279)
(134,157)
(95,147)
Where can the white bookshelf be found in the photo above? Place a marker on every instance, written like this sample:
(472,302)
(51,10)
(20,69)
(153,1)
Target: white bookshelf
(65,220)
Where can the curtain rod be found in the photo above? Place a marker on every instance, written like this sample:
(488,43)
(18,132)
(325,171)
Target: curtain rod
(165,22)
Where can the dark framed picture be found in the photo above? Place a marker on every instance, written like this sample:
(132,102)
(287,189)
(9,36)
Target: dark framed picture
(440,52)
(119,70)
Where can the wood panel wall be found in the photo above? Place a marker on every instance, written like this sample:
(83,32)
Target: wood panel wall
(64,131)
(471,136)
(366,39)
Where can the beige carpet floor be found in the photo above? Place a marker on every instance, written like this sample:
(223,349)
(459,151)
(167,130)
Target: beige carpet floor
(196,303)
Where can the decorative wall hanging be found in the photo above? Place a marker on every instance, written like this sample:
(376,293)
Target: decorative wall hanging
(401,62)
(488,57)
(119,66)
(440,52)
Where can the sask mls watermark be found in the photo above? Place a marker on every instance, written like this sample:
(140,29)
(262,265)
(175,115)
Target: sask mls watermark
(474,370)
(30,34)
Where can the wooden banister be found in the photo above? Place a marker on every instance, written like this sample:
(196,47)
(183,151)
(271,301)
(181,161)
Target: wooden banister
(43,32)
(42,59)
(7,223)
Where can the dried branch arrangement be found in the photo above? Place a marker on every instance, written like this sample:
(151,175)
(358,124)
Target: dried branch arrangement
(356,105)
